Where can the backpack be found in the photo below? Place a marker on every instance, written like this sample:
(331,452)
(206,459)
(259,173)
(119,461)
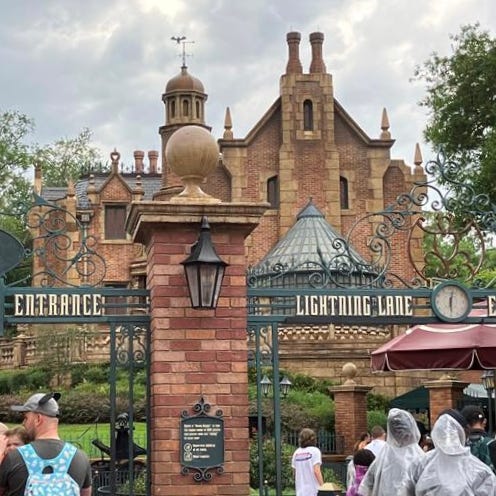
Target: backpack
(479,447)
(49,477)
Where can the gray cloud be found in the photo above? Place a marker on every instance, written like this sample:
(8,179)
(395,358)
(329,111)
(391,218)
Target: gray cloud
(104,65)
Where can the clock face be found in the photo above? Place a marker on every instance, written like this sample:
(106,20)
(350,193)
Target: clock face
(451,302)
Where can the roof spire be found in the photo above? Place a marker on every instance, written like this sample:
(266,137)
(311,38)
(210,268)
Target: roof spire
(417,159)
(385,134)
(228,134)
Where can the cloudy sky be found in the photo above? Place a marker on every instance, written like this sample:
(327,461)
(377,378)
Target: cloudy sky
(103,64)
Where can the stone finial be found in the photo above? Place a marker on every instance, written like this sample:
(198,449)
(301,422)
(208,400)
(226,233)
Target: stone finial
(138,191)
(70,188)
(294,65)
(91,188)
(417,158)
(317,65)
(228,134)
(38,177)
(385,134)
(153,158)
(139,155)
(115,156)
(192,154)
(349,373)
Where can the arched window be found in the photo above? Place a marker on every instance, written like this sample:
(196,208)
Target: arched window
(307,115)
(343,193)
(273,192)
(197,110)
(185,108)
(172,107)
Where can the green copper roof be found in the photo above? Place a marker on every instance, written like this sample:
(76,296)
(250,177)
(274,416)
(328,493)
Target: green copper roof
(313,246)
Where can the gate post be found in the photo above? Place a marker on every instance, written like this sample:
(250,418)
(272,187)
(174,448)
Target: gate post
(444,393)
(350,408)
(196,354)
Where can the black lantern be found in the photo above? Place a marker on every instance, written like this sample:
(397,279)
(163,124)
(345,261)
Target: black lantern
(266,384)
(204,270)
(285,386)
(488,381)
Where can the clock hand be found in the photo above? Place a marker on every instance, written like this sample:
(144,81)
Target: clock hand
(451,301)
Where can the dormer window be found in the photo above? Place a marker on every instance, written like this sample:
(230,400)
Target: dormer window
(307,115)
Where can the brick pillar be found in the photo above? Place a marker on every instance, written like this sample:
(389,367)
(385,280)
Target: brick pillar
(443,393)
(196,353)
(350,408)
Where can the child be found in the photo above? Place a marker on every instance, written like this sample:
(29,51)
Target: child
(362,460)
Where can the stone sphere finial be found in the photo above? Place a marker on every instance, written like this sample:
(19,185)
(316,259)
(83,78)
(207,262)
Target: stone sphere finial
(192,153)
(349,372)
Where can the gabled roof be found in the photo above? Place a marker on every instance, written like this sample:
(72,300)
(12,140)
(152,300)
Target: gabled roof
(338,109)
(150,184)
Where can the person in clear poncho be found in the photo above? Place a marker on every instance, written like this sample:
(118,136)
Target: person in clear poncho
(387,473)
(449,469)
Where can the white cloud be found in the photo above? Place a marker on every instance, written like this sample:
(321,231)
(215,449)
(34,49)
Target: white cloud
(104,65)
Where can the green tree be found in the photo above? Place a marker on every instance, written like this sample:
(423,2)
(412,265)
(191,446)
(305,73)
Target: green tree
(67,158)
(461,99)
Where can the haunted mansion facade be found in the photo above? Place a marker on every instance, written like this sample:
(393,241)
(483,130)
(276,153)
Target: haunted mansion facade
(308,159)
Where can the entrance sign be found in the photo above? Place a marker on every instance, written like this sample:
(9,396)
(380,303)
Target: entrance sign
(202,442)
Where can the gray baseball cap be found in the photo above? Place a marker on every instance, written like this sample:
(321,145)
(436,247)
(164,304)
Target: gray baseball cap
(44,403)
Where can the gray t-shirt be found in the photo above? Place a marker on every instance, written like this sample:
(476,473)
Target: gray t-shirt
(14,473)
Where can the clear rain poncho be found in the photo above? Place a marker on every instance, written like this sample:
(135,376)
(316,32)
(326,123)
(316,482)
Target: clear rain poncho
(450,469)
(389,470)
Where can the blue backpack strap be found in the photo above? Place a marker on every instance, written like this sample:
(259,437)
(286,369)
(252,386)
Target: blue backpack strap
(35,464)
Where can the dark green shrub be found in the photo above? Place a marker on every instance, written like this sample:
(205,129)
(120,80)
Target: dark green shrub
(97,373)
(269,464)
(376,417)
(38,379)
(378,402)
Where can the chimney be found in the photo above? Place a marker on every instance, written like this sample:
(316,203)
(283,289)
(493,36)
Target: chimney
(294,64)
(317,65)
(139,155)
(153,158)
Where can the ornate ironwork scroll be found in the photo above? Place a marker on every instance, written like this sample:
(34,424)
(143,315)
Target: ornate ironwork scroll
(59,261)
(202,442)
(440,212)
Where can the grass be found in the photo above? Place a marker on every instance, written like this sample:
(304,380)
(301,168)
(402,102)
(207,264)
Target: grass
(81,435)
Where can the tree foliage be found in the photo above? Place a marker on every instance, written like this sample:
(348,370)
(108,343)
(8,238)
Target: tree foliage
(461,99)
(67,158)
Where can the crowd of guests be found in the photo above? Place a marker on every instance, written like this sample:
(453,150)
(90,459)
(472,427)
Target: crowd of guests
(457,458)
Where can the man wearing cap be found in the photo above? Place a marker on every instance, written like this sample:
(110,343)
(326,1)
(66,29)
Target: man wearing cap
(481,445)
(41,413)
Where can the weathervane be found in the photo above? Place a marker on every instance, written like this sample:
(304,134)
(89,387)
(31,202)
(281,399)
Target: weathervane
(181,40)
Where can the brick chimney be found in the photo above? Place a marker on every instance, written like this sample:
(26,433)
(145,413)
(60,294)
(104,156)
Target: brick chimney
(294,64)
(139,155)
(153,158)
(317,65)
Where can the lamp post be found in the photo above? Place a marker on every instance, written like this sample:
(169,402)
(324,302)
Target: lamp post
(488,383)
(204,271)
(281,387)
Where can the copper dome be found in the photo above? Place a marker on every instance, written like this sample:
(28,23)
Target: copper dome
(184,81)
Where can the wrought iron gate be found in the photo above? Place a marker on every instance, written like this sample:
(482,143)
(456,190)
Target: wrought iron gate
(340,286)
(63,287)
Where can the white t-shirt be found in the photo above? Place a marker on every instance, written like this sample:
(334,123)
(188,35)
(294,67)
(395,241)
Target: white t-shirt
(304,459)
(376,446)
